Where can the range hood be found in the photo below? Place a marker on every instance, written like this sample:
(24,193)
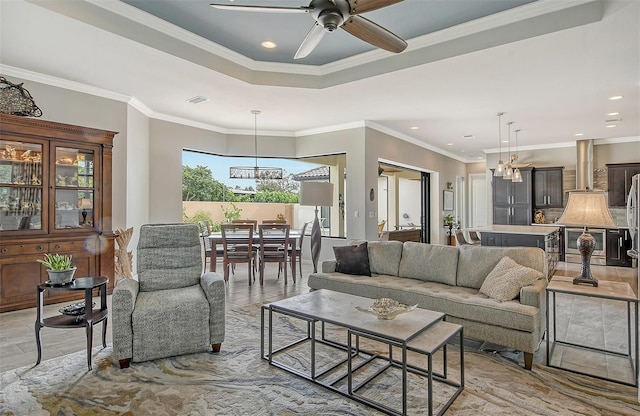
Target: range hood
(584,165)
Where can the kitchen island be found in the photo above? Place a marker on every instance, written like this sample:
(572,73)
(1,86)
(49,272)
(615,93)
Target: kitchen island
(544,236)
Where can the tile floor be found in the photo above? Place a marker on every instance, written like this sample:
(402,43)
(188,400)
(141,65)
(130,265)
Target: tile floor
(17,341)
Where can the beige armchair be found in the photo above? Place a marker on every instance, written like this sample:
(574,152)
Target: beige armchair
(173,308)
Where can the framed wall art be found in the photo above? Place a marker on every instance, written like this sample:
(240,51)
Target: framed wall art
(447,200)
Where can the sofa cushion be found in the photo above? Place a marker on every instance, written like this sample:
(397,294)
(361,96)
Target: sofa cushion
(429,262)
(476,262)
(507,278)
(460,302)
(384,257)
(352,259)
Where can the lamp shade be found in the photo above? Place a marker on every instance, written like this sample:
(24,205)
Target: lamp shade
(316,194)
(85,203)
(587,209)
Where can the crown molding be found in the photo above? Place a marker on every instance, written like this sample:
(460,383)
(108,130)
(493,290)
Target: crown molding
(416,142)
(596,142)
(62,83)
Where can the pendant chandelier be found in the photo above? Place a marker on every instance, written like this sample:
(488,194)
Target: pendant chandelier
(517,176)
(500,167)
(508,170)
(255,172)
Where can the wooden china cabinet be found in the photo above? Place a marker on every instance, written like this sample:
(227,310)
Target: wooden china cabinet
(55,197)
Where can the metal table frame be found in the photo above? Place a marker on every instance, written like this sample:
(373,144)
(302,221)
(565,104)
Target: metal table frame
(632,335)
(353,349)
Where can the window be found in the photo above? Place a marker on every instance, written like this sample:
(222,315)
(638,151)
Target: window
(209,193)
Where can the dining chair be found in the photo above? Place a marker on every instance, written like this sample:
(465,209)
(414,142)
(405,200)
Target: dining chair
(237,243)
(474,238)
(274,221)
(460,240)
(246,221)
(256,247)
(274,247)
(298,248)
(381,225)
(205,231)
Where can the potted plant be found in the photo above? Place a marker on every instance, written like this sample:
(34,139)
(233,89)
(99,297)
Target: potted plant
(59,268)
(449,219)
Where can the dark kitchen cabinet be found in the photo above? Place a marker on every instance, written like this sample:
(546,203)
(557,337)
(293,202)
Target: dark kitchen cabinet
(619,181)
(513,201)
(547,187)
(618,242)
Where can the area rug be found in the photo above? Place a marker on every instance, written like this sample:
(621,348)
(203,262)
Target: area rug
(237,381)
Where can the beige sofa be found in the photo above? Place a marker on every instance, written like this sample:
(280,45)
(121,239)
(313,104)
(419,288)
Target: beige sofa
(448,279)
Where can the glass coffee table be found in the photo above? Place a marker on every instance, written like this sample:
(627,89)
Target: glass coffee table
(349,367)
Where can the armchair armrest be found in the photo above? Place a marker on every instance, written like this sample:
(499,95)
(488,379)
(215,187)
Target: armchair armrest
(123,300)
(213,286)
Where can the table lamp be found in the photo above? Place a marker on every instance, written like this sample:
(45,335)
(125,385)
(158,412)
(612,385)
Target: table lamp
(84,204)
(586,209)
(316,194)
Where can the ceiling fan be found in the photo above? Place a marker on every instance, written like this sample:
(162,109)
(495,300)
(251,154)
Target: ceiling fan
(332,14)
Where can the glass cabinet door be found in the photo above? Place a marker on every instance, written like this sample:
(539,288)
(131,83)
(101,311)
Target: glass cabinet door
(74,187)
(20,185)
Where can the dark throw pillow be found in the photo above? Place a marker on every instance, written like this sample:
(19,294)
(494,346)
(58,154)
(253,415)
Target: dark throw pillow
(353,259)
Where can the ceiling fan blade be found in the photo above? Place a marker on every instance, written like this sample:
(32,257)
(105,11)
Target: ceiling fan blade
(374,34)
(363,6)
(265,9)
(311,41)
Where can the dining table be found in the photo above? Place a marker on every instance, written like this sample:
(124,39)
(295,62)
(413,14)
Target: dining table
(216,238)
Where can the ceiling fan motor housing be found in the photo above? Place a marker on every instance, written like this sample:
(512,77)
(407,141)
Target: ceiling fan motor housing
(330,14)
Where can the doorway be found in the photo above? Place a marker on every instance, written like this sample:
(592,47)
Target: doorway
(477,212)
(403,199)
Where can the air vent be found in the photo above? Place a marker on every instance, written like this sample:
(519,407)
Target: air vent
(613,120)
(197,99)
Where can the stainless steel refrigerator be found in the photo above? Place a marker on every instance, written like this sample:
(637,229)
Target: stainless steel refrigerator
(633,221)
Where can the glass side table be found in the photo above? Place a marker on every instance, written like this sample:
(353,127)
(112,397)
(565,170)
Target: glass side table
(616,291)
(90,318)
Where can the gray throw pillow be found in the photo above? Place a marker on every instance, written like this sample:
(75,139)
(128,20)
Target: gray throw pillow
(504,282)
(352,259)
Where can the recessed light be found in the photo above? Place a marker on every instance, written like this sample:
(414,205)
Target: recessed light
(579,134)
(414,127)
(616,97)
(610,125)
(480,157)
(449,144)
(505,141)
(268,44)
(613,114)
(197,99)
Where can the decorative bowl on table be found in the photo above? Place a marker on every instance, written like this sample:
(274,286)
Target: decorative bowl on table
(385,308)
(75,309)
